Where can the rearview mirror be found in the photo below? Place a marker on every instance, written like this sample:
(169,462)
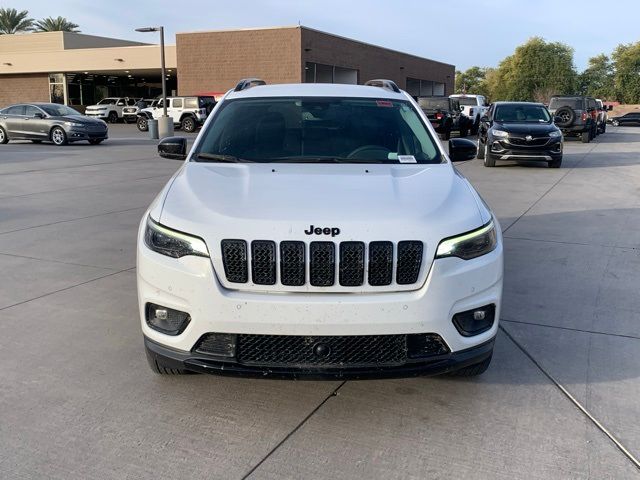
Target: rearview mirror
(174,148)
(461,149)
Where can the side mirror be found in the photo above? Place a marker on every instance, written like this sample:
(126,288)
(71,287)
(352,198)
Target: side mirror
(485,119)
(461,149)
(38,115)
(174,148)
(609,107)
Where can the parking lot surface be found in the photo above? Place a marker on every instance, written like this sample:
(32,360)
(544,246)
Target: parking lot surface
(77,399)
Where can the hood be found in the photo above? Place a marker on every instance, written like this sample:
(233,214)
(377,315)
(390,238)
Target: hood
(80,119)
(281,201)
(535,129)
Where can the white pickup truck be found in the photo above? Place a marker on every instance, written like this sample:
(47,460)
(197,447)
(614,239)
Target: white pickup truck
(474,107)
(109,109)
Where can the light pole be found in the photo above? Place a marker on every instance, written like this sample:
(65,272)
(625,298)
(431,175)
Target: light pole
(165,126)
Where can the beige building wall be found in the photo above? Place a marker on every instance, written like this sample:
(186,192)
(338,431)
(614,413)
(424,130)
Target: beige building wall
(23,88)
(215,61)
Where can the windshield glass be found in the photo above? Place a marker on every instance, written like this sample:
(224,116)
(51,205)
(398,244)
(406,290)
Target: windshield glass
(521,114)
(108,101)
(575,103)
(434,103)
(56,110)
(311,129)
(467,101)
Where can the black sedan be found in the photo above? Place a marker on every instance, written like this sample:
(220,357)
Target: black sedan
(631,118)
(49,122)
(519,131)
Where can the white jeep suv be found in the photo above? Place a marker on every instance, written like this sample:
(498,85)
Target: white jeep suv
(109,109)
(319,230)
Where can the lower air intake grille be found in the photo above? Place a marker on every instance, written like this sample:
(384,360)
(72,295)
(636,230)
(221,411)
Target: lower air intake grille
(409,262)
(234,256)
(356,351)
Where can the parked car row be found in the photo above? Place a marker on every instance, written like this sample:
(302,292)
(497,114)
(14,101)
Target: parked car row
(188,113)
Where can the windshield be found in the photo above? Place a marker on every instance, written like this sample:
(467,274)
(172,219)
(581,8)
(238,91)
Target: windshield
(350,130)
(58,110)
(434,103)
(108,101)
(467,101)
(521,114)
(573,102)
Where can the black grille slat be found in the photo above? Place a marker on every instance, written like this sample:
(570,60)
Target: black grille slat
(343,351)
(292,263)
(263,262)
(380,263)
(409,262)
(323,264)
(351,264)
(234,259)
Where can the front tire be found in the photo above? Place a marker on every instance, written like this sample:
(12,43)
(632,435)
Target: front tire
(473,370)
(555,163)
(188,124)
(489,160)
(4,138)
(615,123)
(480,154)
(143,124)
(113,117)
(475,127)
(58,136)
(157,366)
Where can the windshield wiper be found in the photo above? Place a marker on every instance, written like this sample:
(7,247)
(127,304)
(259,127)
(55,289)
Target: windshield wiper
(218,157)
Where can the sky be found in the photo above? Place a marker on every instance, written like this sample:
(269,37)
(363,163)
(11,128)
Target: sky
(460,32)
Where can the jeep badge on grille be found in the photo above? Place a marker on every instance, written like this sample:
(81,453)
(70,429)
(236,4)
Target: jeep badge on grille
(333,231)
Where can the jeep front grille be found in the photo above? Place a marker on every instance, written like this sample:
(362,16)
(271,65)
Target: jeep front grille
(353,263)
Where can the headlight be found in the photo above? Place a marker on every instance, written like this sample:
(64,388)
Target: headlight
(469,245)
(172,243)
(555,134)
(500,133)
(74,124)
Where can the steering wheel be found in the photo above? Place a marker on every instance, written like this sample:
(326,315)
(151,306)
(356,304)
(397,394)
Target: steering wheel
(370,149)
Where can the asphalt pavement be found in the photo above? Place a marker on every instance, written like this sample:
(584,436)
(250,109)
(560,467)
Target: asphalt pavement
(78,401)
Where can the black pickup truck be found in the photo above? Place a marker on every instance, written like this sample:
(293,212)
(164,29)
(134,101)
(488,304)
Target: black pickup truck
(445,114)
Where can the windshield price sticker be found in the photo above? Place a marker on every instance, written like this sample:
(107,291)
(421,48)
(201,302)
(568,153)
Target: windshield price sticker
(407,159)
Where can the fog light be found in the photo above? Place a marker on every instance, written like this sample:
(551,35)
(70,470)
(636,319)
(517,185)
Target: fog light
(476,321)
(166,320)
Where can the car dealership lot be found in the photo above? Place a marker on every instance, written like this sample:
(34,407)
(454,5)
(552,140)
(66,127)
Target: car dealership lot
(77,399)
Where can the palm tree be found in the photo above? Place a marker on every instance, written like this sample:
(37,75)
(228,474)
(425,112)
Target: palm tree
(51,24)
(12,21)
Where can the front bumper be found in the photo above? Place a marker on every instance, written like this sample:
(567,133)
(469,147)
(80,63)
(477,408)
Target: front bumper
(200,363)
(190,284)
(501,149)
(78,135)
(101,114)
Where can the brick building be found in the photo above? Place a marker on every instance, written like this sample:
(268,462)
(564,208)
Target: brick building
(79,69)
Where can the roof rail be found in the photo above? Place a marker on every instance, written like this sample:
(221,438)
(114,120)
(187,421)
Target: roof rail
(248,83)
(382,83)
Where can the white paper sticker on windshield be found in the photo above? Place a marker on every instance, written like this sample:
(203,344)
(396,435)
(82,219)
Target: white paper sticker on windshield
(407,159)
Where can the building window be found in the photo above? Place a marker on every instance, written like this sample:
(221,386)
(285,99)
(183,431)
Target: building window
(57,88)
(320,73)
(424,88)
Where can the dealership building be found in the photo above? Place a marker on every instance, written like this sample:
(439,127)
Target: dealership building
(79,70)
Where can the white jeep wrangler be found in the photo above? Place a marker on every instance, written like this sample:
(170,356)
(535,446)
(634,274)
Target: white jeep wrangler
(474,107)
(188,113)
(319,230)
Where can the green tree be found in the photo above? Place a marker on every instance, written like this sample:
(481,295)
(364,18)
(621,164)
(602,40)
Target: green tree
(597,80)
(626,61)
(13,21)
(535,71)
(470,80)
(59,24)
